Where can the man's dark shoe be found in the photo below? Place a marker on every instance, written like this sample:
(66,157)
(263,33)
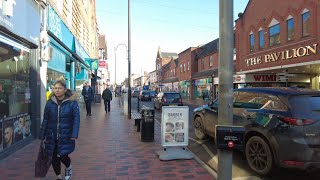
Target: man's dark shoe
(90,114)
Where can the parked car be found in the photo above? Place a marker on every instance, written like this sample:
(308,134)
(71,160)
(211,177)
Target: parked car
(153,94)
(135,93)
(145,95)
(282,126)
(167,99)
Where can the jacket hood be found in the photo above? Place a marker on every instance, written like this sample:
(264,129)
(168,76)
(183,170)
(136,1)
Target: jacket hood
(69,96)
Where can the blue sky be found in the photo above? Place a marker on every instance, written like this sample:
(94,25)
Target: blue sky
(172,25)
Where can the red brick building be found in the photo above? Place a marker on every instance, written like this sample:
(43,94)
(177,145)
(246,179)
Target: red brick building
(207,61)
(277,43)
(162,59)
(187,66)
(170,76)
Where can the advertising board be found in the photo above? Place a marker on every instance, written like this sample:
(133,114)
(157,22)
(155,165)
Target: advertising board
(175,125)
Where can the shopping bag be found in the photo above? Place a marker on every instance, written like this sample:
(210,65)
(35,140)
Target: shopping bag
(43,162)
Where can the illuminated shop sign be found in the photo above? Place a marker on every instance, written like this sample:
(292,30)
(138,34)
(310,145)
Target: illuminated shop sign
(283,55)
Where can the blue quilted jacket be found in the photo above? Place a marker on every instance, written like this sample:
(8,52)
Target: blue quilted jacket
(60,124)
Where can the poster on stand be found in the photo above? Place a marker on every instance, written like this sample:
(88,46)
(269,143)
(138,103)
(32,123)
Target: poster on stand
(175,125)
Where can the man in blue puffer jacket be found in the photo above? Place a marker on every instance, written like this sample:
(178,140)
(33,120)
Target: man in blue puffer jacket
(60,128)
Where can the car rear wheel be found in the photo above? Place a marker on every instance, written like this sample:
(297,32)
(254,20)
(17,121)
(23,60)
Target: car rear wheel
(199,128)
(258,155)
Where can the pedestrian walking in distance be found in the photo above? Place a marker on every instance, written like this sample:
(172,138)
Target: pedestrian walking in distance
(60,128)
(107,97)
(87,93)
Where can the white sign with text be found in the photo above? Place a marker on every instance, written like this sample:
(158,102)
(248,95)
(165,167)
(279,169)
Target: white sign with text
(174,126)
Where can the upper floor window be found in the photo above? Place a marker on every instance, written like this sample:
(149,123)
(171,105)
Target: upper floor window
(274,34)
(184,66)
(290,29)
(180,67)
(261,38)
(210,61)
(202,64)
(306,23)
(188,65)
(251,37)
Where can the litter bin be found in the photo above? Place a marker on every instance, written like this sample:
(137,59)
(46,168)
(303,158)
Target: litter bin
(147,124)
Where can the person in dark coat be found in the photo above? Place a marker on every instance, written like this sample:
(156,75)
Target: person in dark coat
(107,97)
(60,127)
(87,93)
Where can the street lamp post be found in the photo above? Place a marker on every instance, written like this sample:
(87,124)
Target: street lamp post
(115,61)
(129,61)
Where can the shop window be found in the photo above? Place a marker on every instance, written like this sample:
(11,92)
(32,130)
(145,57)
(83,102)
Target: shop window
(15,95)
(274,35)
(261,39)
(210,61)
(306,24)
(290,29)
(251,37)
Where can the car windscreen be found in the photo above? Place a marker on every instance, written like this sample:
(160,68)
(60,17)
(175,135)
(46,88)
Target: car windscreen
(145,93)
(305,106)
(172,97)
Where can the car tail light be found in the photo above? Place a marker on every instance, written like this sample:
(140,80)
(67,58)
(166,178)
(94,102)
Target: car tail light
(293,163)
(297,122)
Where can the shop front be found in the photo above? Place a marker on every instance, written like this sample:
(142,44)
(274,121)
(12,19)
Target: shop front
(19,95)
(202,88)
(68,56)
(184,87)
(268,80)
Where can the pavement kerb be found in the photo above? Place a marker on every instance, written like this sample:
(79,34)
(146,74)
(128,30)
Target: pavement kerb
(204,165)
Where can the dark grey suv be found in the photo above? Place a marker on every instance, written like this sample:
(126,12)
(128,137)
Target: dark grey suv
(282,126)
(167,99)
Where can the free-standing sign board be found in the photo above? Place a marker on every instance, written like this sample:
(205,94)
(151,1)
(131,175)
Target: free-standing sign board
(174,125)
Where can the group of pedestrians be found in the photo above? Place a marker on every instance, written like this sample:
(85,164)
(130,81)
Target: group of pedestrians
(61,123)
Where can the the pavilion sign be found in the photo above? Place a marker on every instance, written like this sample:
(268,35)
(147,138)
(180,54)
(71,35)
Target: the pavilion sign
(283,55)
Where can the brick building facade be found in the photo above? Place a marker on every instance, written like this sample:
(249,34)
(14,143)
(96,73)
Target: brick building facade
(277,43)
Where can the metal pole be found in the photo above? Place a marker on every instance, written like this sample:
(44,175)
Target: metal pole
(129,62)
(225,111)
(115,66)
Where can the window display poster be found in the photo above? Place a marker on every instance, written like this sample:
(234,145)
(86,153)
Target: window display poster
(14,129)
(174,127)
(18,128)
(8,133)
(1,144)
(27,125)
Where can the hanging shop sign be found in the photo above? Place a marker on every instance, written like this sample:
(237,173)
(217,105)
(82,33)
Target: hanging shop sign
(102,64)
(16,17)
(283,55)
(174,127)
